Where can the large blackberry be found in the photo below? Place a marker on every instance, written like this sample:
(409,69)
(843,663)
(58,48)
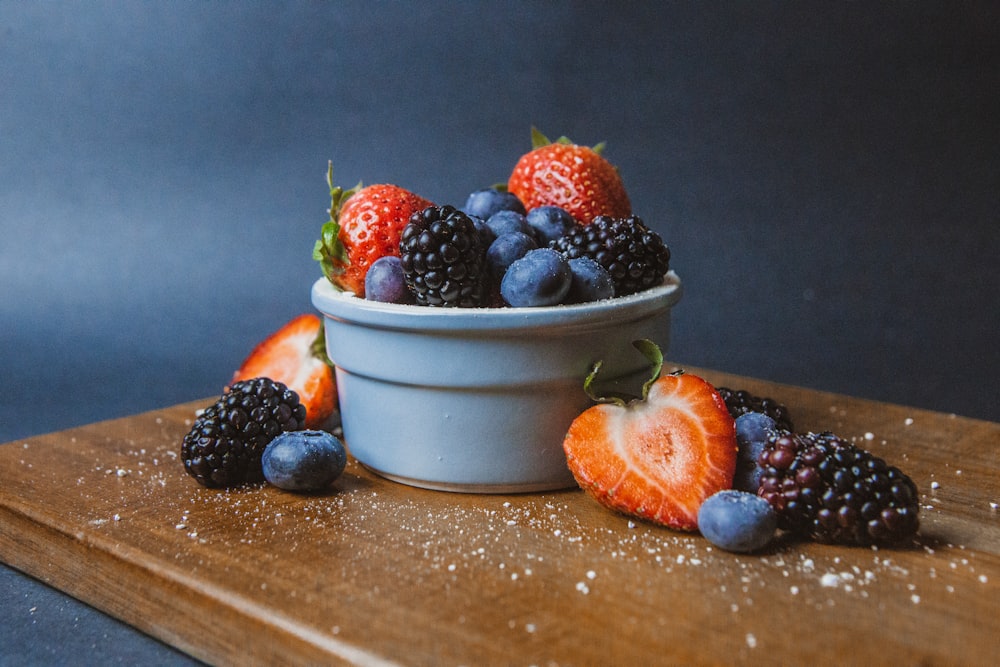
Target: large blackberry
(443,259)
(741,402)
(633,254)
(829,490)
(225,445)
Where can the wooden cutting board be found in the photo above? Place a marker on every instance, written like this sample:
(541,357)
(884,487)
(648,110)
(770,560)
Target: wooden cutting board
(376,573)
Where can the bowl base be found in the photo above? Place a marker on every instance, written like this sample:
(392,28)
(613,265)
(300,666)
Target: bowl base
(498,489)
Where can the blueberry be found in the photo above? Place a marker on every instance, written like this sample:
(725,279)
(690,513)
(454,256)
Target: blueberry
(550,223)
(303,460)
(486,235)
(505,250)
(752,432)
(506,222)
(484,203)
(591,281)
(385,281)
(541,278)
(737,521)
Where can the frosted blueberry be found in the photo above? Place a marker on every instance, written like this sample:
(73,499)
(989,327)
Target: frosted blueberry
(737,521)
(304,460)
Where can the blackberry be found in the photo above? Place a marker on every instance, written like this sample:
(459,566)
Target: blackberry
(443,259)
(633,254)
(225,445)
(829,490)
(741,402)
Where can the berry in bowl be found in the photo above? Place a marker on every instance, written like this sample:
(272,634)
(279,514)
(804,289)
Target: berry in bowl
(462,338)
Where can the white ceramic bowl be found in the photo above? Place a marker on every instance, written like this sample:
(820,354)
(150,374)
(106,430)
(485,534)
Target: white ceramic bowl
(479,399)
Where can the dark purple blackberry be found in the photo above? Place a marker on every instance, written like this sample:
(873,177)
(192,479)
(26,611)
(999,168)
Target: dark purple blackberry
(225,445)
(633,254)
(443,259)
(829,490)
(741,402)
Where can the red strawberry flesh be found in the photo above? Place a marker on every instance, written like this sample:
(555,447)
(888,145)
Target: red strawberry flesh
(657,459)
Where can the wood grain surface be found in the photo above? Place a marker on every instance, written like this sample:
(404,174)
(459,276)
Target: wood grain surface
(375,572)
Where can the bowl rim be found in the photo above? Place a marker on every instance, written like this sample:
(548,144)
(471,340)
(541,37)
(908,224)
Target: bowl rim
(346,307)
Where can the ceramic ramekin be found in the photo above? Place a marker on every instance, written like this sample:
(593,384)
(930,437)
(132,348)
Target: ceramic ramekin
(479,400)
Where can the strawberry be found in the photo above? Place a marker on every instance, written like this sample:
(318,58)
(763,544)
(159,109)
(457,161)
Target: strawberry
(576,178)
(365,224)
(295,355)
(657,457)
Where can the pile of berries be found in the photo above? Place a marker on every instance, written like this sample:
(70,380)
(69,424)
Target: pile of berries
(816,486)
(693,457)
(448,257)
(560,232)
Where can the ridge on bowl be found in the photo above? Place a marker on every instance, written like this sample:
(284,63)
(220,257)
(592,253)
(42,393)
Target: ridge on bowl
(479,399)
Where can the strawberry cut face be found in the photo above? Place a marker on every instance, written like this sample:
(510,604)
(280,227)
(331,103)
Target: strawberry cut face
(658,458)
(290,356)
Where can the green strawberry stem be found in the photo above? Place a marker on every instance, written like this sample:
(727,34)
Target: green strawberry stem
(329,251)
(318,347)
(538,140)
(653,354)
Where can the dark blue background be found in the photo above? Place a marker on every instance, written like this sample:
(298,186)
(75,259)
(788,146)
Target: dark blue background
(826,175)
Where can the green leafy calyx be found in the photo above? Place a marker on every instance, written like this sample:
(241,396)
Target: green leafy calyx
(539,140)
(653,354)
(329,250)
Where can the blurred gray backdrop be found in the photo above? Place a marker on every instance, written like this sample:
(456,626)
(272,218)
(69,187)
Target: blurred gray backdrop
(826,175)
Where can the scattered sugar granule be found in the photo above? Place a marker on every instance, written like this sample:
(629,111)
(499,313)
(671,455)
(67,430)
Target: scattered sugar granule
(983,579)
(582,587)
(117,517)
(869,436)
(751,640)
(794,590)
(935,485)
(829,580)
(908,421)
(530,627)
(993,506)
(591,574)
(915,599)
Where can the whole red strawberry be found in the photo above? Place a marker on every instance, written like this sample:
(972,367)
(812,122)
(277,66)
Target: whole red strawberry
(576,178)
(295,355)
(657,457)
(365,224)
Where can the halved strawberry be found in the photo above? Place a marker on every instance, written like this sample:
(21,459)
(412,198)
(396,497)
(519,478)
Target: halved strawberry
(295,355)
(576,178)
(365,224)
(657,457)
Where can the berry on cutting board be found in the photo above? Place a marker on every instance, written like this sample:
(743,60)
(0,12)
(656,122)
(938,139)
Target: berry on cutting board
(827,489)
(737,521)
(226,442)
(295,355)
(752,432)
(740,402)
(576,178)
(659,456)
(365,224)
(304,461)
